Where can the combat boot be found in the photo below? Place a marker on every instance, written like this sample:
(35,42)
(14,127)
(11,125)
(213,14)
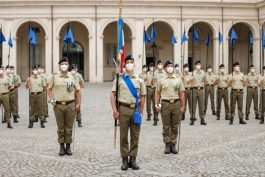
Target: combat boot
(231,121)
(241,121)
(247,116)
(30,124)
(68,149)
(62,149)
(45,120)
(9,125)
(226,117)
(18,116)
(203,122)
(42,124)
(155,122)
(257,117)
(204,112)
(133,164)
(218,117)
(148,117)
(214,113)
(79,123)
(36,118)
(183,116)
(173,149)
(262,120)
(4,120)
(167,148)
(191,121)
(47,115)
(124,165)
(15,119)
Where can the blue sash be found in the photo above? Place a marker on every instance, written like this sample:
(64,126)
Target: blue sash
(137,116)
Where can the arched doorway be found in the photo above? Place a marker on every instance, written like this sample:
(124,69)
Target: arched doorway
(75,54)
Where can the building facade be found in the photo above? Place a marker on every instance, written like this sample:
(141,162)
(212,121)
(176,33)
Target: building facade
(94,27)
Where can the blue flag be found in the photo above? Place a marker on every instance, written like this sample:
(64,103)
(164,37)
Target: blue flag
(32,38)
(69,36)
(250,39)
(173,40)
(220,38)
(120,31)
(195,36)
(10,43)
(153,33)
(2,38)
(146,38)
(233,38)
(207,41)
(263,39)
(184,38)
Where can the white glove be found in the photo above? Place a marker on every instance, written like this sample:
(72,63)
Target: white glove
(52,101)
(158,106)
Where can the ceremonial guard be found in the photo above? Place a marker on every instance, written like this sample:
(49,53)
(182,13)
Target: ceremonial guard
(62,89)
(252,91)
(46,111)
(222,92)
(143,75)
(5,85)
(237,81)
(36,84)
(188,89)
(150,92)
(177,71)
(209,89)
(127,107)
(171,90)
(197,81)
(18,81)
(261,84)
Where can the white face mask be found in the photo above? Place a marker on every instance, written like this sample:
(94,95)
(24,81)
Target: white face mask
(8,71)
(129,66)
(12,71)
(64,67)
(35,72)
(209,70)
(73,73)
(170,70)
(222,70)
(151,69)
(252,70)
(144,69)
(42,71)
(237,68)
(39,70)
(198,66)
(1,71)
(159,66)
(186,69)
(177,68)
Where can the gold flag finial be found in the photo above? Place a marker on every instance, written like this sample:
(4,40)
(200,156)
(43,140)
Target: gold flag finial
(120,7)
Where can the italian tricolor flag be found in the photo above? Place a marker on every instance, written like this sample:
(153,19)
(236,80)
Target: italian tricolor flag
(121,43)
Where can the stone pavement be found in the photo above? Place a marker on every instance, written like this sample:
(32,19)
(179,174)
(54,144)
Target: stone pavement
(217,149)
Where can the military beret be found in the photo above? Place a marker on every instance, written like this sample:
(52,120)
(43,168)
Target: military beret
(209,66)
(64,59)
(263,67)
(151,64)
(42,66)
(144,66)
(221,65)
(251,66)
(198,61)
(176,65)
(167,63)
(236,63)
(39,65)
(159,61)
(129,57)
(72,66)
(35,67)
(7,66)
(12,66)
(2,66)
(185,65)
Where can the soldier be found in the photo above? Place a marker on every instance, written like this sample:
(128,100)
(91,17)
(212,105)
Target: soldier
(188,89)
(177,71)
(209,89)
(143,75)
(125,114)
(46,111)
(237,81)
(261,84)
(252,91)
(5,85)
(12,107)
(73,70)
(62,89)
(18,81)
(222,92)
(36,84)
(197,81)
(171,90)
(150,92)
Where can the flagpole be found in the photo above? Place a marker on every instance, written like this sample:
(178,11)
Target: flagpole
(1,64)
(208,38)
(248,67)
(218,63)
(231,100)
(29,71)
(9,50)
(143,47)
(173,50)
(262,61)
(192,55)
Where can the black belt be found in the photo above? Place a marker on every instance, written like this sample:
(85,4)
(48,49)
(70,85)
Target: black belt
(210,85)
(3,93)
(171,101)
(35,93)
(188,88)
(65,102)
(238,90)
(198,88)
(224,88)
(131,106)
(150,86)
(253,87)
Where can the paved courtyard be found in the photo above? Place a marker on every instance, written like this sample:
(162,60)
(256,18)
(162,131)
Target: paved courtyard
(217,149)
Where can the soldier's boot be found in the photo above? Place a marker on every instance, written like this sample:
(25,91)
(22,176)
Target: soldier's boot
(125,164)
(9,125)
(30,124)
(36,118)
(45,120)
(247,116)
(191,121)
(167,148)
(42,124)
(155,122)
(173,149)
(214,113)
(148,117)
(15,119)
(4,120)
(47,115)
(79,123)
(218,117)
(132,163)
(204,112)
(68,149)
(241,121)
(18,116)
(195,119)
(231,121)
(62,149)
(183,116)
(226,117)
(261,120)
(203,121)
(257,117)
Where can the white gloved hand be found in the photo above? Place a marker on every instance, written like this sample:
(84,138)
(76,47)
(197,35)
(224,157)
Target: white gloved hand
(158,106)
(52,101)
